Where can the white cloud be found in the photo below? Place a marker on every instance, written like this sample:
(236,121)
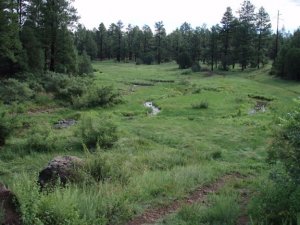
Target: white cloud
(174,13)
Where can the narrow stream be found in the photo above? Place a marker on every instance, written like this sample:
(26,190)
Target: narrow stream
(150,105)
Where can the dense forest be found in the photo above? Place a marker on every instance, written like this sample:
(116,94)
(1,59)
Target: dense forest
(41,35)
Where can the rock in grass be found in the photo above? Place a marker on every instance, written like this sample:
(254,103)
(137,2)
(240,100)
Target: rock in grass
(64,124)
(9,207)
(60,169)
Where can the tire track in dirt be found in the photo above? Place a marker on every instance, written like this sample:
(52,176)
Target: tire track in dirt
(151,216)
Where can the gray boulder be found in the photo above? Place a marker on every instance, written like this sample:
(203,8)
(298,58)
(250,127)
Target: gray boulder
(61,168)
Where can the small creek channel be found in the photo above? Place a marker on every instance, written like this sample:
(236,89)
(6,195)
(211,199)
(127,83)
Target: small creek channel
(155,110)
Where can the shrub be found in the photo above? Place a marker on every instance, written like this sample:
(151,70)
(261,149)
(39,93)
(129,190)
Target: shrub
(84,64)
(277,199)
(184,60)
(196,67)
(95,96)
(41,139)
(65,87)
(286,146)
(201,105)
(95,131)
(13,90)
(274,202)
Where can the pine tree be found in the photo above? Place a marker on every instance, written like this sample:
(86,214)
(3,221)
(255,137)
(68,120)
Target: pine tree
(160,35)
(101,39)
(11,59)
(226,37)
(246,34)
(57,15)
(263,28)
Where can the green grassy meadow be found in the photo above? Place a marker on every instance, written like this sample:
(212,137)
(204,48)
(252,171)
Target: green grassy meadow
(156,159)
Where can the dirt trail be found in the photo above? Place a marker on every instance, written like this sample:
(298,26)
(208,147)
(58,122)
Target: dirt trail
(152,216)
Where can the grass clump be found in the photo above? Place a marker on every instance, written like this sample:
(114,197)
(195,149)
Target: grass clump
(41,138)
(223,210)
(95,131)
(200,105)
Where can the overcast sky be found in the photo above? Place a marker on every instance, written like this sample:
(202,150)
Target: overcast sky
(174,12)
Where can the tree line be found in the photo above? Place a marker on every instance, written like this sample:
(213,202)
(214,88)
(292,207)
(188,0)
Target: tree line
(39,35)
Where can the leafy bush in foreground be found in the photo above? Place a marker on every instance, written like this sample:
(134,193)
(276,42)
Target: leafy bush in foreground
(277,201)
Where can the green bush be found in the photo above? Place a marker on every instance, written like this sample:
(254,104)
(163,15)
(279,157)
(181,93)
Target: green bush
(13,90)
(84,64)
(95,131)
(277,200)
(201,105)
(196,67)
(65,87)
(184,60)
(41,139)
(104,96)
(286,146)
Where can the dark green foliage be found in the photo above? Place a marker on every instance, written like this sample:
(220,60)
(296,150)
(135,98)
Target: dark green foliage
(287,64)
(32,47)
(13,90)
(277,201)
(4,129)
(201,105)
(65,54)
(286,146)
(184,60)
(292,64)
(147,58)
(196,67)
(96,131)
(84,64)
(97,96)
(10,45)
(41,138)
(65,87)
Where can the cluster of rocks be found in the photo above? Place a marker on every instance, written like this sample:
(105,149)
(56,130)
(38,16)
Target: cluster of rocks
(64,123)
(259,107)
